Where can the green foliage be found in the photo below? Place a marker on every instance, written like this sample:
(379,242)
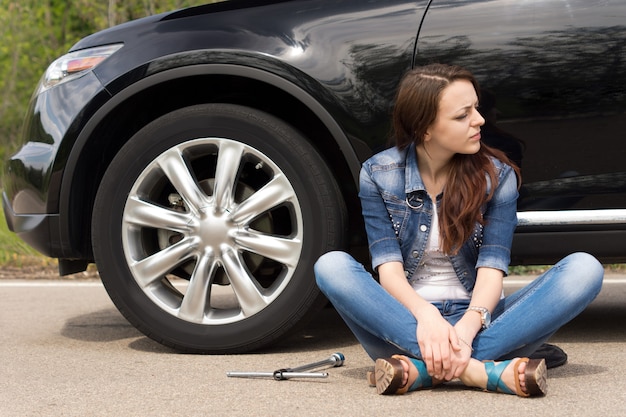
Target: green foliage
(14,252)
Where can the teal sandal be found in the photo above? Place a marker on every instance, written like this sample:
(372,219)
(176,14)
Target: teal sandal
(388,373)
(535,377)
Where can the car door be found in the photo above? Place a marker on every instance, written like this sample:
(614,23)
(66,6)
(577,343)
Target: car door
(553,81)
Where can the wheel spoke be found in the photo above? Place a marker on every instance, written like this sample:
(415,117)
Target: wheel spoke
(228,162)
(154,267)
(248,295)
(145,214)
(199,289)
(176,170)
(285,251)
(277,191)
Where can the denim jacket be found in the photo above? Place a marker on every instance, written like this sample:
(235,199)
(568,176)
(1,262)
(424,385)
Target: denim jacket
(398,212)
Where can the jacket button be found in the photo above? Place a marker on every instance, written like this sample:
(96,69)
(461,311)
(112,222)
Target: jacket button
(423,228)
(415,254)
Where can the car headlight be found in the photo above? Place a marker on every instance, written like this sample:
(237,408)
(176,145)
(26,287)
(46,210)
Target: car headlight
(74,65)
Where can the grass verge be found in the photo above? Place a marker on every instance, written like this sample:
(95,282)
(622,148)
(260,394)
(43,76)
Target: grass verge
(14,252)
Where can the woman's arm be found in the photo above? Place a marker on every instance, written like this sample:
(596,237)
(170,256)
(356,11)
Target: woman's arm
(487,293)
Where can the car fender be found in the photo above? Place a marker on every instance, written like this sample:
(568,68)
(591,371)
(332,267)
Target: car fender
(71,225)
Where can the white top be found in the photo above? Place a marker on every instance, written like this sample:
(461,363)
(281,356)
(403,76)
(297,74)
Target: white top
(435,279)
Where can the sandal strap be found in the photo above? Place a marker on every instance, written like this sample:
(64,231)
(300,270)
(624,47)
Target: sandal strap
(494,377)
(423,380)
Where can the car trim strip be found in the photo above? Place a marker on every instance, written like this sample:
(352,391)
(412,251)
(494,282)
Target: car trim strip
(570,217)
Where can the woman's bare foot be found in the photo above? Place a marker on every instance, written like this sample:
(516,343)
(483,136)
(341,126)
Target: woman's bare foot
(405,373)
(508,376)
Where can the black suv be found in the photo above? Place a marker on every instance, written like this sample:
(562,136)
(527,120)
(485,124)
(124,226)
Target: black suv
(205,158)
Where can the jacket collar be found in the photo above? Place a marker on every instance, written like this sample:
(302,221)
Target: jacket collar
(412,178)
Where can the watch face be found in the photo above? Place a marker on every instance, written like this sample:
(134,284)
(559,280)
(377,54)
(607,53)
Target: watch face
(486,319)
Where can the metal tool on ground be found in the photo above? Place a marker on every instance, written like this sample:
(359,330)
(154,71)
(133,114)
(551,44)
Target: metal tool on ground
(335,360)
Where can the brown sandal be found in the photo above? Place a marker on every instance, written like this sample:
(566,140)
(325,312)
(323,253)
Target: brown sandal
(388,374)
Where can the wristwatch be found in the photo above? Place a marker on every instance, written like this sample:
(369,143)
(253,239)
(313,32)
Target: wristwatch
(485,315)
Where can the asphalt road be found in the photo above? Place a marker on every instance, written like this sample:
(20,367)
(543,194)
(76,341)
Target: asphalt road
(66,351)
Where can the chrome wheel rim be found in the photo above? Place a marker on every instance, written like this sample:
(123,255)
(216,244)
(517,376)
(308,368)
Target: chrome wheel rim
(212,231)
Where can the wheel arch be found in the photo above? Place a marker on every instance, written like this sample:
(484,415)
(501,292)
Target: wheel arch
(132,108)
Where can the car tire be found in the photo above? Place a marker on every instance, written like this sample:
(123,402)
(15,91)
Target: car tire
(206,226)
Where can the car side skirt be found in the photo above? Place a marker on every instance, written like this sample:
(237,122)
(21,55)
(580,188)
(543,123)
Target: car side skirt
(544,237)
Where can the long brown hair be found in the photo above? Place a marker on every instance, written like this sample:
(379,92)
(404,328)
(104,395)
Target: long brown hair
(415,110)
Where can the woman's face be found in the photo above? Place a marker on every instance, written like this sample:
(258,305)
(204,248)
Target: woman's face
(456,128)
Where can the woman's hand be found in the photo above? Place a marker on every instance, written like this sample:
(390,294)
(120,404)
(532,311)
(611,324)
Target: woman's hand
(446,350)
(439,345)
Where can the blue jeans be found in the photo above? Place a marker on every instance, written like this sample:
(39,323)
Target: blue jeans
(521,322)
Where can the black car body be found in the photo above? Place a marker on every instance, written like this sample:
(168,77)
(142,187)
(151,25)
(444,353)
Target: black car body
(147,162)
